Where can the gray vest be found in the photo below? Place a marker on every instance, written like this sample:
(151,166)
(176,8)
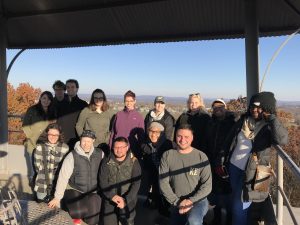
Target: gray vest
(85,173)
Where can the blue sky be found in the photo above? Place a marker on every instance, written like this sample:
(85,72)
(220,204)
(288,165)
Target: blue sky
(213,68)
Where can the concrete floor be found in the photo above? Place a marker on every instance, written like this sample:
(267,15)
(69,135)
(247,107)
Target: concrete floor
(13,175)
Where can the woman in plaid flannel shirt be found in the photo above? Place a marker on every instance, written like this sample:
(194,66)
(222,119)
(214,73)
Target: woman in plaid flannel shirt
(48,155)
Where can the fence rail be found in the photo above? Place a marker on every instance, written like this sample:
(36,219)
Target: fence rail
(283,157)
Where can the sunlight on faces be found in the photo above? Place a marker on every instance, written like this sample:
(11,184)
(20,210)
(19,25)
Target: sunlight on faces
(130,102)
(86,143)
(159,107)
(154,134)
(53,136)
(184,138)
(120,150)
(45,101)
(194,103)
(71,89)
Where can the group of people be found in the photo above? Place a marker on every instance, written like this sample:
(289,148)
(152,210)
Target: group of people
(92,163)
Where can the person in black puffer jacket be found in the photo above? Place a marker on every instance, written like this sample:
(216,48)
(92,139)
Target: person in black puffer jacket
(198,118)
(221,123)
(152,150)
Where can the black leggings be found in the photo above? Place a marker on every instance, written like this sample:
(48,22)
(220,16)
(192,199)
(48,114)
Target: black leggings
(83,206)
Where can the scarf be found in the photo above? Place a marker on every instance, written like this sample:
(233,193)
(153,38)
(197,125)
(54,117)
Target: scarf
(251,127)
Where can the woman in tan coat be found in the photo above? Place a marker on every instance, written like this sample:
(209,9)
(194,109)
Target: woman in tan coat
(36,120)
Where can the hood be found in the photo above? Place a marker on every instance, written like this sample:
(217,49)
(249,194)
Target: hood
(80,151)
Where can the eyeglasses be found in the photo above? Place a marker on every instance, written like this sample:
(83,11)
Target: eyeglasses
(195,94)
(121,147)
(154,131)
(255,107)
(53,135)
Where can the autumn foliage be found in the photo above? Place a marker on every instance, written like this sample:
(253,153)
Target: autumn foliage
(19,100)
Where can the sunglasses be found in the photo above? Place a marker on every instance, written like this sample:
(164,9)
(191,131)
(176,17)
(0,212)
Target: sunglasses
(100,99)
(194,94)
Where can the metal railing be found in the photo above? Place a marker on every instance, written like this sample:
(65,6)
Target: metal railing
(13,116)
(281,196)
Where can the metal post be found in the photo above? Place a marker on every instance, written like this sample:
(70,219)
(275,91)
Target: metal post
(3,97)
(279,206)
(251,47)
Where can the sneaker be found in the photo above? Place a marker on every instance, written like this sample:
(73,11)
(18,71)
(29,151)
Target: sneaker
(76,221)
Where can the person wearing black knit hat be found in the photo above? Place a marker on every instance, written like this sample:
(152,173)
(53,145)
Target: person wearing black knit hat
(265,100)
(248,144)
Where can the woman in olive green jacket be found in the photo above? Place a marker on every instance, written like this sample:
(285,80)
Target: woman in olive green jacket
(96,117)
(36,119)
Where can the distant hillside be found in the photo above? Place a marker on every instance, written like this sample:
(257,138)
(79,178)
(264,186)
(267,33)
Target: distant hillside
(181,100)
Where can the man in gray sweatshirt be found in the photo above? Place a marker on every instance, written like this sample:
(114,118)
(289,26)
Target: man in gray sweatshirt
(185,180)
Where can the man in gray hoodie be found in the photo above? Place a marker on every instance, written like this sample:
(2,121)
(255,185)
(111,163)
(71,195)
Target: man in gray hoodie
(77,181)
(185,179)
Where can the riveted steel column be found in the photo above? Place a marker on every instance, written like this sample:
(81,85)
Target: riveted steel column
(251,47)
(3,98)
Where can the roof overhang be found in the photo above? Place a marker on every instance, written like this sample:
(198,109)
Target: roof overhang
(73,23)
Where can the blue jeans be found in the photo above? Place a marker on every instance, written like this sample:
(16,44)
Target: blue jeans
(193,217)
(239,208)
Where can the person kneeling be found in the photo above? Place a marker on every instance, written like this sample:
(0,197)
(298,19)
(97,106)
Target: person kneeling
(120,178)
(77,181)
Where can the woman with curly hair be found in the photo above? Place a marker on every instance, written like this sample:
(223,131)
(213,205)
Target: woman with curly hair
(48,156)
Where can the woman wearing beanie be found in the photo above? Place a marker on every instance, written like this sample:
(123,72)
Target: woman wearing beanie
(248,144)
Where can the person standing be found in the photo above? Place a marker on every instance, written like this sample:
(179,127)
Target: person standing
(48,156)
(219,126)
(160,114)
(60,95)
(78,180)
(185,179)
(120,178)
(70,111)
(198,118)
(96,117)
(129,123)
(248,144)
(35,121)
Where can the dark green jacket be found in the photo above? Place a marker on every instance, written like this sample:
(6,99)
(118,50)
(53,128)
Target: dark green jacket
(120,178)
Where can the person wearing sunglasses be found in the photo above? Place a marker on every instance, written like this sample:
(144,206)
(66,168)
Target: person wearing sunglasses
(219,126)
(248,144)
(96,117)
